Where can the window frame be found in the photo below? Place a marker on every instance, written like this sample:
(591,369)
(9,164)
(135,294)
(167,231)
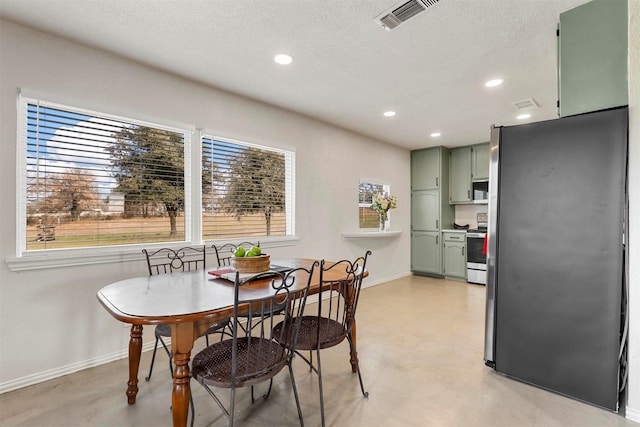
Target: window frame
(386,188)
(68,257)
(290,189)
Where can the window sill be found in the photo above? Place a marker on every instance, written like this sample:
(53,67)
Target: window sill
(111,255)
(371,234)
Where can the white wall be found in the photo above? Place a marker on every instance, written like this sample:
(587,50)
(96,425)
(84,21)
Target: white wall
(633,397)
(50,320)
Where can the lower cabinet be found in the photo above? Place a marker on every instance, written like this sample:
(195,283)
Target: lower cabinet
(454,256)
(426,252)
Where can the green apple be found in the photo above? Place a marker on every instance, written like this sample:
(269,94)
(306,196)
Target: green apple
(240,252)
(256,250)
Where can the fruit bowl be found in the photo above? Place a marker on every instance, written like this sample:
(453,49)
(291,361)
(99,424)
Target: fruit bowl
(253,264)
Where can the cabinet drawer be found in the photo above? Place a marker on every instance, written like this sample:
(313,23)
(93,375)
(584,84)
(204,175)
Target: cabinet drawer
(453,236)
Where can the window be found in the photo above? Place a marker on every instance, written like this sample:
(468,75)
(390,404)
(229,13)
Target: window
(92,180)
(97,180)
(247,190)
(367,217)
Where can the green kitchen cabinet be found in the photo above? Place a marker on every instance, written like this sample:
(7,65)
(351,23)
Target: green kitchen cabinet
(592,57)
(460,175)
(426,169)
(430,209)
(426,252)
(480,162)
(454,257)
(425,210)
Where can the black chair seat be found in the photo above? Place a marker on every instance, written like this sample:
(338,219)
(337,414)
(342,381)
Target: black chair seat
(315,333)
(163,331)
(212,365)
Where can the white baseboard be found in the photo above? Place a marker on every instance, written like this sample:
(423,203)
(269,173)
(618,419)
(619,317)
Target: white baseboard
(367,284)
(632,414)
(68,369)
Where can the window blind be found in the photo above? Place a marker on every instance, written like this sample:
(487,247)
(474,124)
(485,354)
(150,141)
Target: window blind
(247,190)
(97,180)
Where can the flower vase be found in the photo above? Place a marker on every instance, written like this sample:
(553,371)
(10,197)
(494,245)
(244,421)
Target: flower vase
(383,223)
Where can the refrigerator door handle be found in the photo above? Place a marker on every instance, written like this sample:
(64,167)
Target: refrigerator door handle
(490,313)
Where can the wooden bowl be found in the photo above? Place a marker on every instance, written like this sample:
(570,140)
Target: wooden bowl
(253,264)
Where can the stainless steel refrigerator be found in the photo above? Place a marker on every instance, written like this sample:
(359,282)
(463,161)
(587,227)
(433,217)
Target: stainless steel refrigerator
(556,288)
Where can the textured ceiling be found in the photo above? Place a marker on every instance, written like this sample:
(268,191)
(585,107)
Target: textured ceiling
(347,69)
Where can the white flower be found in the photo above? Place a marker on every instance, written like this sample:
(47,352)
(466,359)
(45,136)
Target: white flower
(382,203)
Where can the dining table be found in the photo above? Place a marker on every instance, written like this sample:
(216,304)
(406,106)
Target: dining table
(190,302)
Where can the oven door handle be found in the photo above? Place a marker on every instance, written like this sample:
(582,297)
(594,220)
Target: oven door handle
(476,235)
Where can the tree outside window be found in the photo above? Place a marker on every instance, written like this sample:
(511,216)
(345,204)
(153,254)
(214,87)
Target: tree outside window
(247,192)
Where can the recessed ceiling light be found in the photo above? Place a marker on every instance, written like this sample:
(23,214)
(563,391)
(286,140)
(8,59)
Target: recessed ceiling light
(389,113)
(494,83)
(283,58)
(523,116)
(435,134)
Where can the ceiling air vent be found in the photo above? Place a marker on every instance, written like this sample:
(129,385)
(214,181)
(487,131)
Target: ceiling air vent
(399,14)
(525,104)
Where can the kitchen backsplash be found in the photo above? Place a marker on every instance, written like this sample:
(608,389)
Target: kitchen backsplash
(467,214)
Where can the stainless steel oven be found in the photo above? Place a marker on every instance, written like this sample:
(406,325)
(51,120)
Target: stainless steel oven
(476,257)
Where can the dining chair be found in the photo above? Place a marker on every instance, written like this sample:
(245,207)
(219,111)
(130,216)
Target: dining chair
(334,319)
(254,354)
(224,253)
(166,260)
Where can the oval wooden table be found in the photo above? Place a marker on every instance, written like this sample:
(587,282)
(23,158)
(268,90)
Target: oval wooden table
(190,302)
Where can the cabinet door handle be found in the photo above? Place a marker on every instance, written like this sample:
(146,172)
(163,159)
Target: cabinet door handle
(437,222)
(469,193)
(462,251)
(437,181)
(436,240)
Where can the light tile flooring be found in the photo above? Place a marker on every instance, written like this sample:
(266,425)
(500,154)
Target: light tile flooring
(420,344)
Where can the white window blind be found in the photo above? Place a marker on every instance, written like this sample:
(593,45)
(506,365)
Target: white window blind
(91,179)
(247,190)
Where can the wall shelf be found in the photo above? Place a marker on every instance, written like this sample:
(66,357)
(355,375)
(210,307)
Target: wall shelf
(370,234)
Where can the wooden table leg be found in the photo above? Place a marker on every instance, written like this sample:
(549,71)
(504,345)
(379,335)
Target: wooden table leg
(182,338)
(135,349)
(354,354)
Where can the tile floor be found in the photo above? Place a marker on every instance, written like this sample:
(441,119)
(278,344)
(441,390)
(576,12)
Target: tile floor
(420,343)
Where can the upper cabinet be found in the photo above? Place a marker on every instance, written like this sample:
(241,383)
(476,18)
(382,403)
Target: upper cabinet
(425,169)
(467,165)
(480,162)
(592,57)
(460,175)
